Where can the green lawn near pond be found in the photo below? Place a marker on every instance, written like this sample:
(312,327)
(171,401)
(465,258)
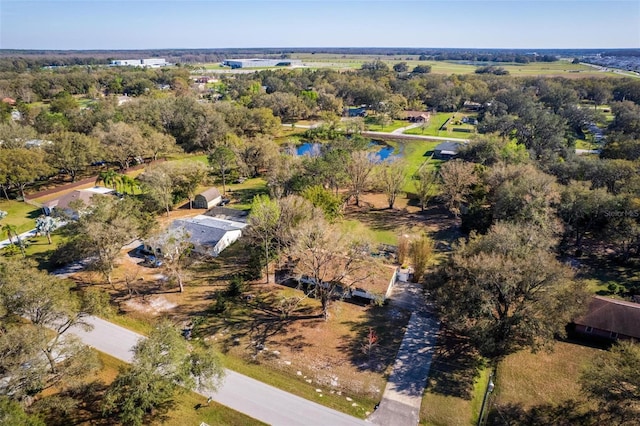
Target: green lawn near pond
(432,127)
(372,126)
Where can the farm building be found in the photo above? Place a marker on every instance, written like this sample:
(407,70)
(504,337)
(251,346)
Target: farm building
(356,112)
(610,319)
(144,63)
(259,63)
(209,235)
(207,199)
(446,150)
(62,204)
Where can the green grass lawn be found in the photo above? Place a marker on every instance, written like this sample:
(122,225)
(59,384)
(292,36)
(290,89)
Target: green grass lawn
(19,214)
(586,144)
(448,410)
(395,124)
(559,68)
(431,128)
(355,227)
(242,194)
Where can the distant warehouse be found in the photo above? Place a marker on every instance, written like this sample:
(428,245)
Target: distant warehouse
(259,63)
(144,63)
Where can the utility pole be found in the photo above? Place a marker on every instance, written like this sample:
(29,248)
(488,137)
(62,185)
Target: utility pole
(490,387)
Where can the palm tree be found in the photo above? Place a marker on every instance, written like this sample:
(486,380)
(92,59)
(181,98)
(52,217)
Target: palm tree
(10,231)
(110,178)
(128,183)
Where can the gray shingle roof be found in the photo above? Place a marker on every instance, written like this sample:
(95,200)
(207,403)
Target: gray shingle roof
(614,315)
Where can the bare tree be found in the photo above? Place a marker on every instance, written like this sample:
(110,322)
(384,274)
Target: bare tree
(263,222)
(359,170)
(457,178)
(187,177)
(425,182)
(328,260)
(391,178)
(175,248)
(222,160)
(102,231)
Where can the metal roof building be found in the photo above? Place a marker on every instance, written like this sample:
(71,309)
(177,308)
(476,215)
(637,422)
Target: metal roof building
(259,63)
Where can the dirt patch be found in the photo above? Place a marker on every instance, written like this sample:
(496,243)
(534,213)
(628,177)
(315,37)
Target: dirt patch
(405,217)
(153,305)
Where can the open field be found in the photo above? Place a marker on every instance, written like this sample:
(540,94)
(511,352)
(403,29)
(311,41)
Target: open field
(562,67)
(544,379)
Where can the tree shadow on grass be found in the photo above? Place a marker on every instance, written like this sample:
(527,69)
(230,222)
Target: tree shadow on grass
(567,413)
(387,324)
(454,367)
(255,321)
(88,408)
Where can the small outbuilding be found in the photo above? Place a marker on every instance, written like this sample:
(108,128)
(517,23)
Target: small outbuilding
(446,150)
(207,199)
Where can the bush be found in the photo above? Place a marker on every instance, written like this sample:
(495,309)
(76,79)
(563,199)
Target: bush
(236,287)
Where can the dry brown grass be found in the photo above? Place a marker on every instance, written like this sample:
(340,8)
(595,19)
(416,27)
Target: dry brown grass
(544,377)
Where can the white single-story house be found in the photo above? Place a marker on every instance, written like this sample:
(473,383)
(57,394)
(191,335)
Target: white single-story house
(209,235)
(85,195)
(207,199)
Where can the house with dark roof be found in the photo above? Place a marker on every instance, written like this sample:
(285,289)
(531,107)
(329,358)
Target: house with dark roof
(416,116)
(356,112)
(610,319)
(207,199)
(446,150)
(209,235)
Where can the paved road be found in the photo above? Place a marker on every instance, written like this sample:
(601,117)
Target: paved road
(411,137)
(242,393)
(24,236)
(402,397)
(395,134)
(404,129)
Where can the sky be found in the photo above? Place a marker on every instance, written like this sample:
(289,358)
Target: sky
(156,24)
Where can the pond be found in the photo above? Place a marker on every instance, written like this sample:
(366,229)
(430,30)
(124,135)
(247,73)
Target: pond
(313,149)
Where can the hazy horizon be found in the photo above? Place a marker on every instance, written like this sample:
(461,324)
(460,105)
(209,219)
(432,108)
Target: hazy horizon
(217,24)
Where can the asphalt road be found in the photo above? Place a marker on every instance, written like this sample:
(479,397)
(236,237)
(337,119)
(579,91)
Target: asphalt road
(242,393)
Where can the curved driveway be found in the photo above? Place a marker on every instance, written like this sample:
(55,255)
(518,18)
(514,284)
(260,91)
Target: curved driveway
(242,393)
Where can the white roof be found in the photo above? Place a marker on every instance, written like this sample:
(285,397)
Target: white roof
(99,190)
(215,222)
